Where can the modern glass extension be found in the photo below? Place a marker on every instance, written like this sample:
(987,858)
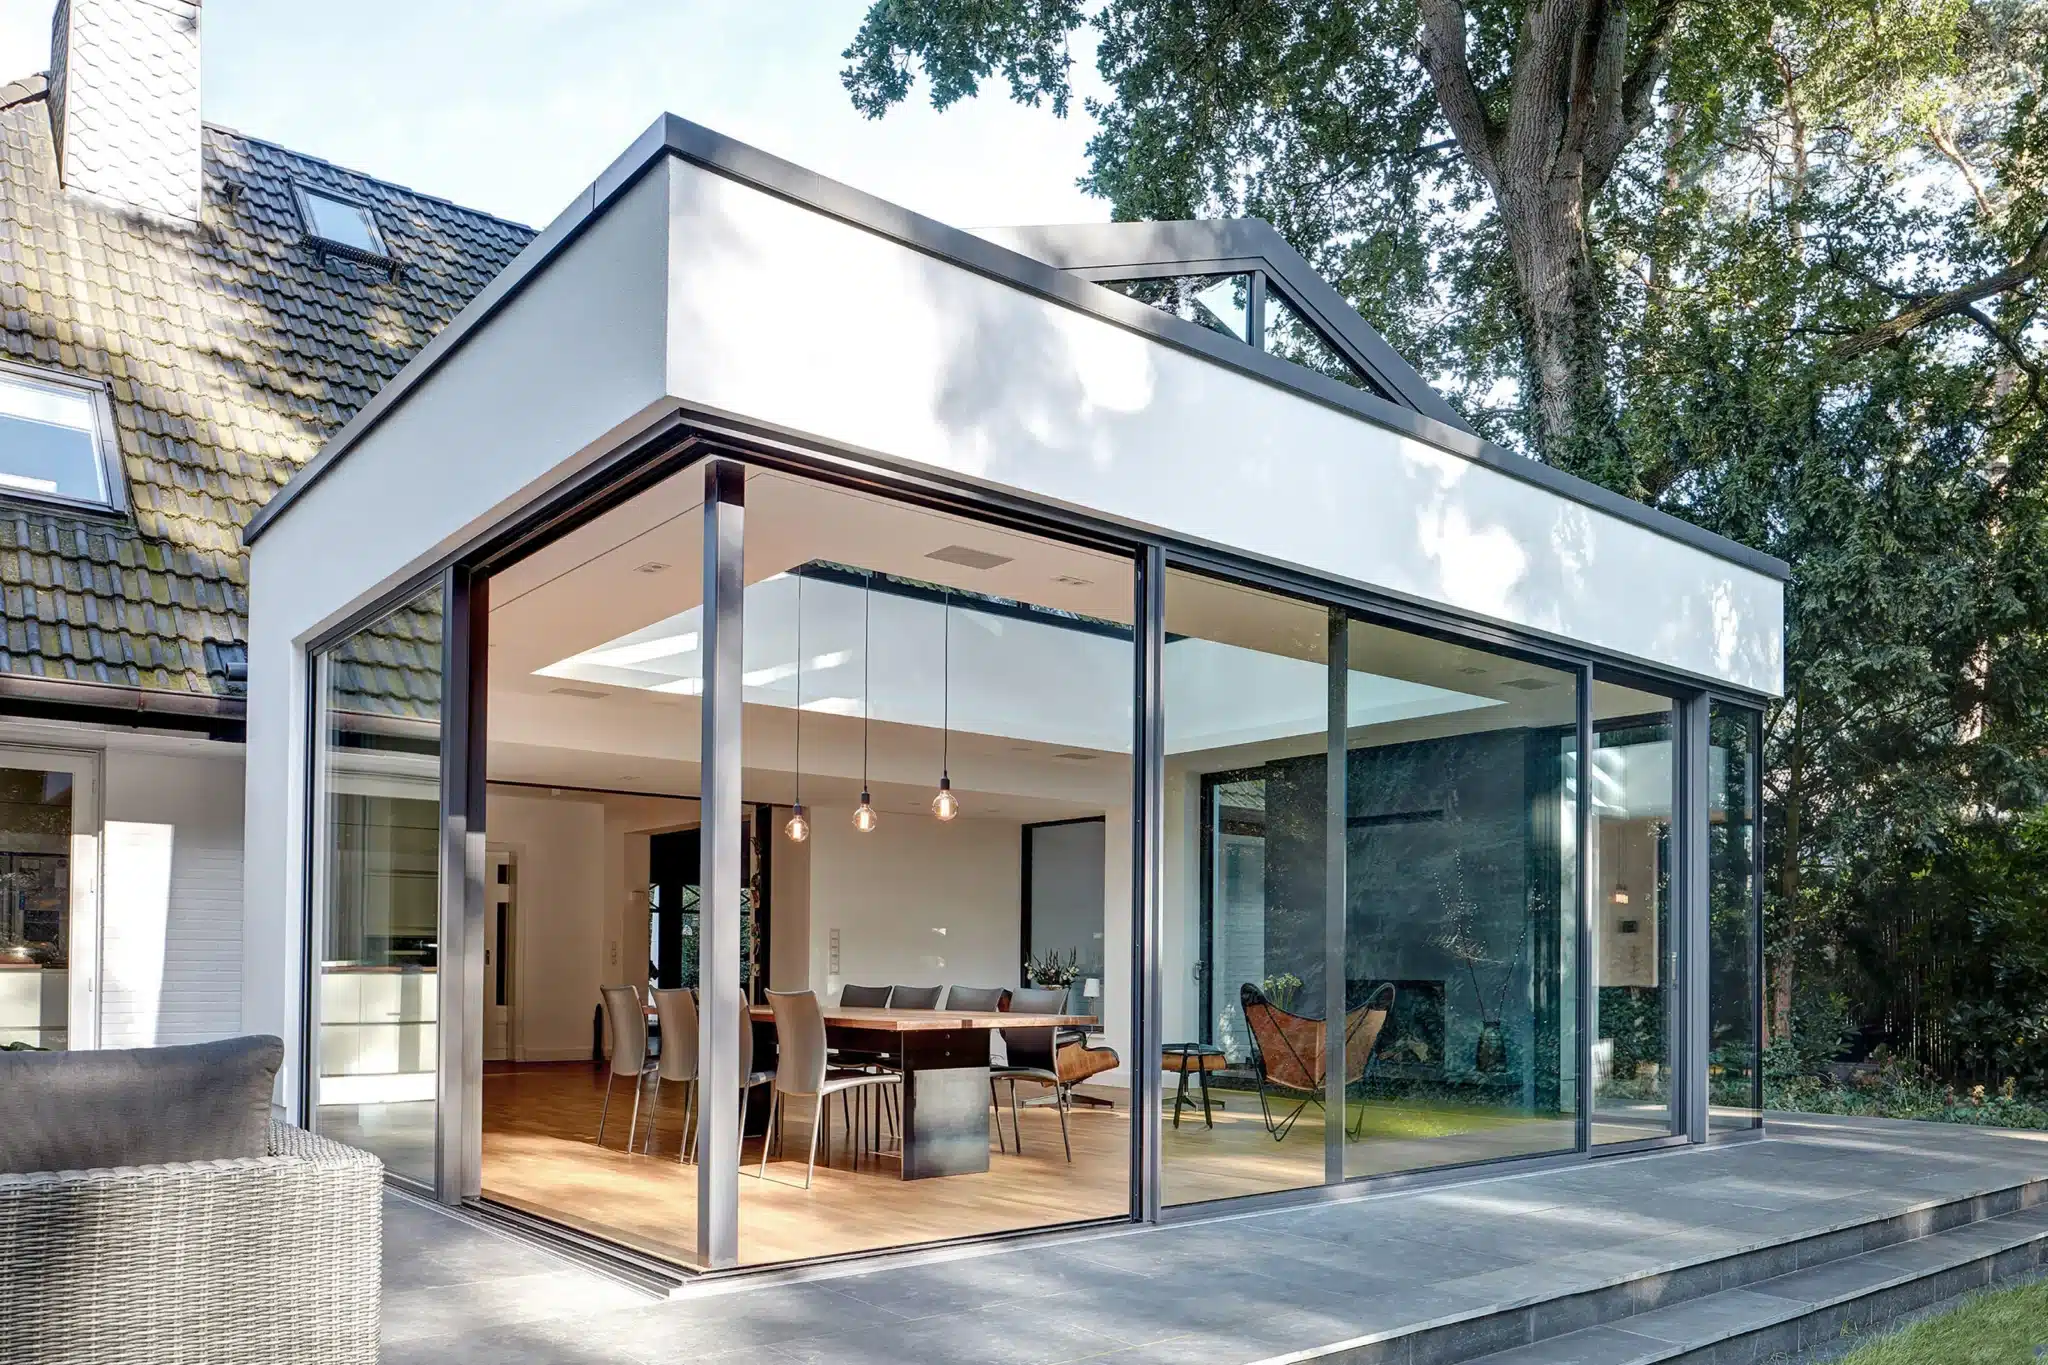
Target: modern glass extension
(1024,876)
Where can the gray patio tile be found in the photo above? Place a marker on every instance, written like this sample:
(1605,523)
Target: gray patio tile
(748,1318)
(1826,1283)
(1594,1346)
(993,1337)
(1700,1321)
(433,1310)
(978,1282)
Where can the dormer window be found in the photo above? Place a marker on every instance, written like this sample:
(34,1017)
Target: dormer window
(339,222)
(56,439)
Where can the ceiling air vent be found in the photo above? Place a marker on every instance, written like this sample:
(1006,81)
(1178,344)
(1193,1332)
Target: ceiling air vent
(1074,756)
(651,566)
(1527,684)
(967,557)
(587,693)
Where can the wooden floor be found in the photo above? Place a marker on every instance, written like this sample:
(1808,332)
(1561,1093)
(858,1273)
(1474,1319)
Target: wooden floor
(540,1155)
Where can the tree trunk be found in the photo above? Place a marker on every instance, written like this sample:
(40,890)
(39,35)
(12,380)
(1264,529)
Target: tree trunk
(1563,326)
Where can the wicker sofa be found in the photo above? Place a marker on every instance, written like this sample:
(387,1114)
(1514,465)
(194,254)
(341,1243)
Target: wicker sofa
(257,1258)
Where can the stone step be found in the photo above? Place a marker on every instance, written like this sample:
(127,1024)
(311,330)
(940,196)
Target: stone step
(1806,1308)
(1520,1330)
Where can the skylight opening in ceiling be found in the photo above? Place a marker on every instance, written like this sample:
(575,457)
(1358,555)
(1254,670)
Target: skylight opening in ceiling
(341,222)
(1221,303)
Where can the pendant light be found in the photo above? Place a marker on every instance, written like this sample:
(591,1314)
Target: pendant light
(946,805)
(799,827)
(864,817)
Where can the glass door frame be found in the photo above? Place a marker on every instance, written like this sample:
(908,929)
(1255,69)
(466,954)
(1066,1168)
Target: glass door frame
(84,977)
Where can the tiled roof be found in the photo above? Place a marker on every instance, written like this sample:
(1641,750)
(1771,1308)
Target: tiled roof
(231,353)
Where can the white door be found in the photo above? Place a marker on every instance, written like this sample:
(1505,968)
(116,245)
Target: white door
(49,898)
(501,886)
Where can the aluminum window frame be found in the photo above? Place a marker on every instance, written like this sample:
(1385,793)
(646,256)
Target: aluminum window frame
(686,438)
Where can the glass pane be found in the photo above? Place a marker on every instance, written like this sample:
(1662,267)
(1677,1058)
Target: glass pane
(1245,929)
(1221,303)
(951,703)
(341,222)
(49,441)
(1733,1069)
(594,901)
(378,925)
(1460,913)
(1634,951)
(35,908)
(1291,337)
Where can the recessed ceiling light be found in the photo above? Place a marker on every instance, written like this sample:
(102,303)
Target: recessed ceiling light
(651,566)
(967,557)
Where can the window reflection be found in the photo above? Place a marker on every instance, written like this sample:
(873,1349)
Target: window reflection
(1221,303)
(1733,1073)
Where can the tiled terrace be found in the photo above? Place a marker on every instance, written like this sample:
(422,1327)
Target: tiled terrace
(1483,1261)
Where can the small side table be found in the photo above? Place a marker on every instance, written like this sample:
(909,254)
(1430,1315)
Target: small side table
(1199,1059)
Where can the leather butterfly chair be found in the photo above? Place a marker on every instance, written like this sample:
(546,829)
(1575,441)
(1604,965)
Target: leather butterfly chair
(1288,1053)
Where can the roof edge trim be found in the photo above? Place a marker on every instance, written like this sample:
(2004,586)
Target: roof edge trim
(671,135)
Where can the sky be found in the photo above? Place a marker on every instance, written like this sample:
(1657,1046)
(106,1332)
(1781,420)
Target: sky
(513,106)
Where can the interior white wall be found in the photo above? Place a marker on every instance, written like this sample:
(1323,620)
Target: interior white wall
(558,936)
(916,902)
(916,358)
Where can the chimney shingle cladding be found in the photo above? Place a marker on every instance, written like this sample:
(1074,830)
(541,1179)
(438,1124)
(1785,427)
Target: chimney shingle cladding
(231,351)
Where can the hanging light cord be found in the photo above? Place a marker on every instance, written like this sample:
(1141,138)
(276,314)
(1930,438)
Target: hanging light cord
(799,773)
(946,692)
(867,698)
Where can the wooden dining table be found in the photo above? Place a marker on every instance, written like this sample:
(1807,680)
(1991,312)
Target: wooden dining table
(945,1059)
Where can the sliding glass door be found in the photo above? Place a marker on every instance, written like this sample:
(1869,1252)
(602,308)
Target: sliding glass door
(374,945)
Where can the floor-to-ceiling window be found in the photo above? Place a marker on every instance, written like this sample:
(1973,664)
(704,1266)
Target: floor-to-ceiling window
(1461,908)
(1635,951)
(1734,1074)
(1456,857)
(375,939)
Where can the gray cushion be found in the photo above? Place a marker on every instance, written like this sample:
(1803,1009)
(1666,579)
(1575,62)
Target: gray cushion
(86,1111)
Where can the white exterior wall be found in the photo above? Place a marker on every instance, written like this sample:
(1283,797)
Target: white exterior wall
(171,915)
(570,364)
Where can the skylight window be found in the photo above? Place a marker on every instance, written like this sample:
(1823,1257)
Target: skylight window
(1221,303)
(341,222)
(53,443)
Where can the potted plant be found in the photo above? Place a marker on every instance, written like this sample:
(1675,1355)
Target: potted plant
(1460,939)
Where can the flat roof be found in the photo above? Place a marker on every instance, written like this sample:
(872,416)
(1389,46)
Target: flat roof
(671,136)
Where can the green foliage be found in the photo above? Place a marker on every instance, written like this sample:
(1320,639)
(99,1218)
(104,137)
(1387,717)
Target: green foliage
(1997,1327)
(1810,317)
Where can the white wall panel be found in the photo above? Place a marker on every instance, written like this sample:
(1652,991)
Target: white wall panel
(780,314)
(171,917)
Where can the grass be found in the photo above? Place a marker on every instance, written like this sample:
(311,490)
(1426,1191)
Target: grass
(1999,1327)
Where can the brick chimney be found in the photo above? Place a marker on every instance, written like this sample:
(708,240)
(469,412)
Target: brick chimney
(124,102)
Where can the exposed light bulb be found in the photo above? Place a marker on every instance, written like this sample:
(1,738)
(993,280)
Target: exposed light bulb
(945,805)
(864,817)
(799,827)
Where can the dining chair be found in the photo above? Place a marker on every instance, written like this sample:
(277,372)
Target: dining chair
(977,999)
(802,1069)
(1032,1054)
(914,997)
(628,1020)
(675,1013)
(865,997)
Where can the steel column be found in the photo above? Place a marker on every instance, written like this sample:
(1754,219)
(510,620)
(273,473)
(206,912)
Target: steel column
(720,870)
(459,1085)
(1586,977)
(1693,924)
(1148,829)
(1336,870)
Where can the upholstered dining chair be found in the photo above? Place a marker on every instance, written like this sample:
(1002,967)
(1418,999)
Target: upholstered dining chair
(915,997)
(1032,1054)
(977,999)
(864,997)
(1288,1053)
(628,1022)
(802,1069)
